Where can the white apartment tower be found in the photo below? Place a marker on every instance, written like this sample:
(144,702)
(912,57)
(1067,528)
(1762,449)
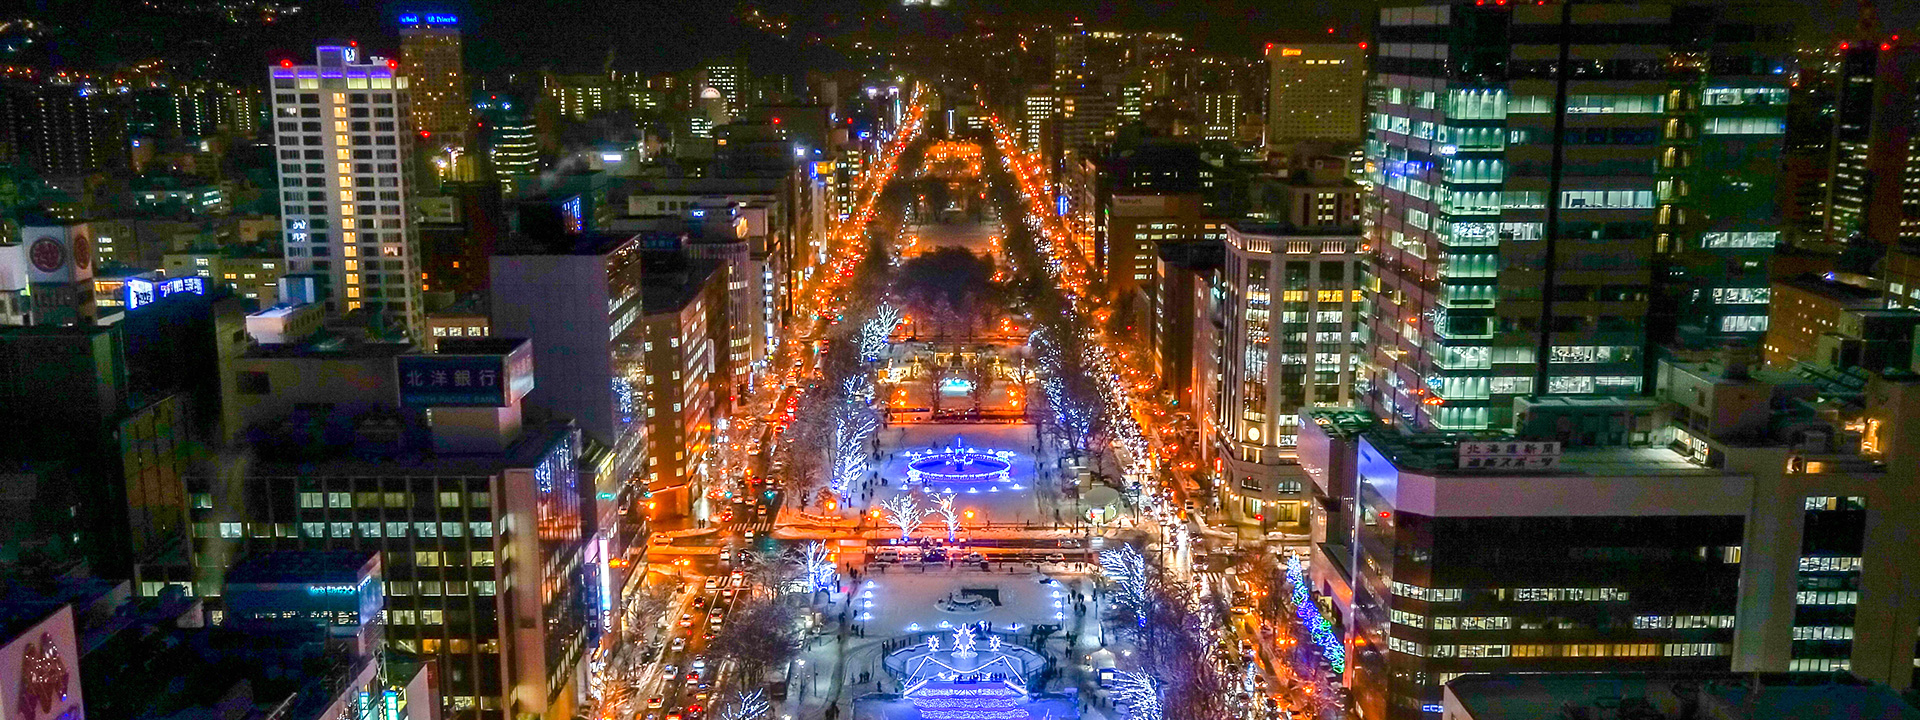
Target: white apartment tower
(342,133)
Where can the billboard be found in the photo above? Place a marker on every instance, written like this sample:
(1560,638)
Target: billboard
(40,672)
(143,291)
(466,379)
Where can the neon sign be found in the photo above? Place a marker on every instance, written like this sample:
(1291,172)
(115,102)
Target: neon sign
(429,19)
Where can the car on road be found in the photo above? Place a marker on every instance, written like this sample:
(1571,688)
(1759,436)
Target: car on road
(700,601)
(749,533)
(678,644)
(974,557)
(727,593)
(699,664)
(669,672)
(1056,558)
(686,620)
(1070,543)
(656,702)
(716,618)
(1189,506)
(677,714)
(713,582)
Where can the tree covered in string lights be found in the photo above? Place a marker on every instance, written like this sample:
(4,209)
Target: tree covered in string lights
(1140,693)
(904,511)
(817,566)
(1173,632)
(747,706)
(949,515)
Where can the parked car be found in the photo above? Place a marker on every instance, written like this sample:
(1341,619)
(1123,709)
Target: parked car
(678,644)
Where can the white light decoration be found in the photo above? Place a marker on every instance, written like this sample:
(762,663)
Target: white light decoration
(904,511)
(1140,692)
(817,563)
(747,706)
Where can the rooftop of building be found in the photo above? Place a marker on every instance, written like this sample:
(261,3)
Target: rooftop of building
(300,566)
(590,244)
(1281,229)
(670,286)
(1343,422)
(172,672)
(1831,288)
(479,345)
(680,185)
(24,603)
(329,345)
(535,441)
(1438,452)
(1715,696)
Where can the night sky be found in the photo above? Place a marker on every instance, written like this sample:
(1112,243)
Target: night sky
(664,35)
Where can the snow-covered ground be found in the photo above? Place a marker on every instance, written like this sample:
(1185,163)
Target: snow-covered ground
(903,601)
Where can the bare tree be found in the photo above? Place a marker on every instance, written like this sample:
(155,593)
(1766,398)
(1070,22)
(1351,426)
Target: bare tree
(646,605)
(771,574)
(949,515)
(746,706)
(905,512)
(762,634)
(979,372)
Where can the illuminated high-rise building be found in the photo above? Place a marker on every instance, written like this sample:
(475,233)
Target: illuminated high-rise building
(342,133)
(1540,236)
(1315,91)
(510,144)
(430,59)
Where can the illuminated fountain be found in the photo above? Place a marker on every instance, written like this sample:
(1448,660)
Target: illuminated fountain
(958,468)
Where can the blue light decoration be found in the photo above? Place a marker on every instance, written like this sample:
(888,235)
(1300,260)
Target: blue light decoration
(958,464)
(1309,613)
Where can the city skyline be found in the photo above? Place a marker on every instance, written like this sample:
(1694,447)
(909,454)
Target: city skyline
(950,360)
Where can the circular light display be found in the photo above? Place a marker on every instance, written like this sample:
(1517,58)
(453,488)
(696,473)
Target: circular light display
(959,464)
(82,252)
(47,255)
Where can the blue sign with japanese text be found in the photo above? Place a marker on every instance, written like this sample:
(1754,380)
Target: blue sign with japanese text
(464,380)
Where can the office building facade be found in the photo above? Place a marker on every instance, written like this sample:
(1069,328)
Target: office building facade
(1534,236)
(1291,339)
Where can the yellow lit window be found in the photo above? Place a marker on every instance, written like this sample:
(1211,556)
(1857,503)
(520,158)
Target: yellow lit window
(345,168)
(339,126)
(353,292)
(339,98)
(339,139)
(352,265)
(352,251)
(346,195)
(339,111)
(346,209)
(347,236)
(353,279)
(352,306)
(340,154)
(346,223)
